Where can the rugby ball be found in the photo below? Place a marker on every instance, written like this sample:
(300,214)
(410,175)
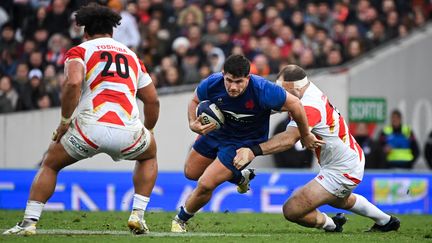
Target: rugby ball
(210,113)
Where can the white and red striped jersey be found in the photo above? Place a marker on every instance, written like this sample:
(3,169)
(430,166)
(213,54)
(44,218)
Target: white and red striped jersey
(113,74)
(329,125)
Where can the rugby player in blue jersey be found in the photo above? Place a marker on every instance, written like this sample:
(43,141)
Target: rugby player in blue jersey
(246,101)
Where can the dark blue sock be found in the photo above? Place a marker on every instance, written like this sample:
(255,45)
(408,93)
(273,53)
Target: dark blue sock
(183,215)
(237,177)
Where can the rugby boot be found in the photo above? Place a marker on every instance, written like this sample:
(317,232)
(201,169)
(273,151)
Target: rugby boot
(248,175)
(178,226)
(25,227)
(136,225)
(392,225)
(339,221)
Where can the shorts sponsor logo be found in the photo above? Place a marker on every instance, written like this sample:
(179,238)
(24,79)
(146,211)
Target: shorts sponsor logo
(320,177)
(391,191)
(139,148)
(78,146)
(344,191)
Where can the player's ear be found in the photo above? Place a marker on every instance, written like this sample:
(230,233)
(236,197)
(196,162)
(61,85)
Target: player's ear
(86,36)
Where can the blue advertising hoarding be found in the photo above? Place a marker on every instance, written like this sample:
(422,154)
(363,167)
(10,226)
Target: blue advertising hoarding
(113,191)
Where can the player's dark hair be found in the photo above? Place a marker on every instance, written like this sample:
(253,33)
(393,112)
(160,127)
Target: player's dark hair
(291,73)
(97,19)
(237,65)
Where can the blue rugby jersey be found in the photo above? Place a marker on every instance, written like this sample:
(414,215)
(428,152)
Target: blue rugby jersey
(246,116)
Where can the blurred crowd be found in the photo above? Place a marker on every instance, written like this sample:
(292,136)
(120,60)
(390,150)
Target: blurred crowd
(182,41)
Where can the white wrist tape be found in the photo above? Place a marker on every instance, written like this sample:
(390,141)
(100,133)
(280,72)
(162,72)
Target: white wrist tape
(65,120)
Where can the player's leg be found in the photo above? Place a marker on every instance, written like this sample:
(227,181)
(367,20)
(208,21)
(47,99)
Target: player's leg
(144,179)
(301,207)
(196,164)
(45,180)
(360,205)
(215,174)
(146,168)
(42,188)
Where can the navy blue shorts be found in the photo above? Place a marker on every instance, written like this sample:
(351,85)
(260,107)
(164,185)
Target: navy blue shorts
(211,147)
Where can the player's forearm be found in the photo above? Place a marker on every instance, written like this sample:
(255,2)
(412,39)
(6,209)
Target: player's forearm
(278,143)
(299,116)
(151,114)
(70,98)
(192,111)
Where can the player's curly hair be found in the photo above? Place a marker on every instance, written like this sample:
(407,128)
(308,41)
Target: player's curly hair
(97,19)
(237,65)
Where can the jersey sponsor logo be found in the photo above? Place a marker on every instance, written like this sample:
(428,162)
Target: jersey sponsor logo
(219,101)
(241,118)
(111,47)
(238,116)
(75,143)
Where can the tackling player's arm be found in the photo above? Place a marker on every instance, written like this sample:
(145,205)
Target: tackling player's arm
(194,121)
(294,106)
(285,140)
(148,95)
(278,143)
(71,93)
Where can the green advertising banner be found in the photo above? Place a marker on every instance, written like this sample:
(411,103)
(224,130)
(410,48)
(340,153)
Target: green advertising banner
(367,109)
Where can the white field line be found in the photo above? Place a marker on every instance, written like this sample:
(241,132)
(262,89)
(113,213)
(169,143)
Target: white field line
(151,234)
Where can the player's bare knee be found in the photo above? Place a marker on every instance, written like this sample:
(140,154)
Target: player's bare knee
(50,166)
(350,201)
(189,173)
(205,186)
(150,164)
(344,203)
(289,212)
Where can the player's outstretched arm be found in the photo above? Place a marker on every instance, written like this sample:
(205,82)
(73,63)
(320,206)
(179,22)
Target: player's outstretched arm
(194,121)
(278,143)
(71,93)
(149,97)
(294,106)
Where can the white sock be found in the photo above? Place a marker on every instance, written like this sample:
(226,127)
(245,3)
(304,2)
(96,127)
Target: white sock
(139,204)
(365,208)
(328,224)
(184,208)
(33,210)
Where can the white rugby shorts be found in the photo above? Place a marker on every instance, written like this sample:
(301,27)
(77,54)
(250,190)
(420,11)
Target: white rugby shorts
(341,182)
(86,140)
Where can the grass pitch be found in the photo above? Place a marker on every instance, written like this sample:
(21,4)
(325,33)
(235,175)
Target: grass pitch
(207,227)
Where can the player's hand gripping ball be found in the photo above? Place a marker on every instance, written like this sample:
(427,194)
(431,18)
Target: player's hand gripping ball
(210,113)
